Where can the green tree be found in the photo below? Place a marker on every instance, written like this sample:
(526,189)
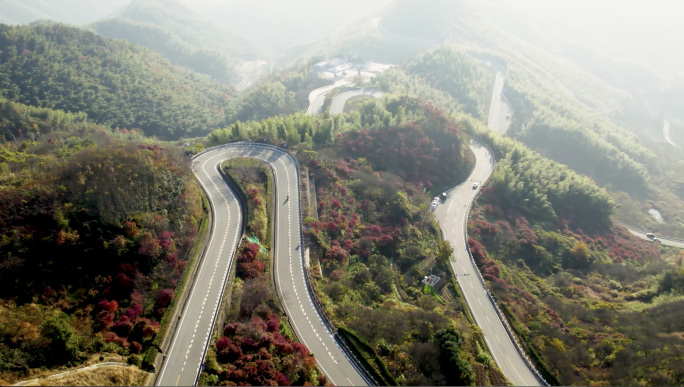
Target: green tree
(63,341)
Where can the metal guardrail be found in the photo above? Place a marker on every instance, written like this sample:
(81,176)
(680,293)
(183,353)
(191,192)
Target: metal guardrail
(312,295)
(243,225)
(503,318)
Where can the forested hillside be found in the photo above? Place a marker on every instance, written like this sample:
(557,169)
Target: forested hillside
(374,239)
(571,283)
(598,117)
(466,83)
(115,83)
(185,39)
(65,11)
(71,191)
(544,237)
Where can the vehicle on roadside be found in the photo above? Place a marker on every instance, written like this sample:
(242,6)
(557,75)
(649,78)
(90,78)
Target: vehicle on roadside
(434,203)
(650,235)
(444,196)
(475,185)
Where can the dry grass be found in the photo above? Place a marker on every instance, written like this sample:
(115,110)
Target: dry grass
(102,376)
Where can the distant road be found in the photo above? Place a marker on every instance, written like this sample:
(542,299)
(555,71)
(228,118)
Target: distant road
(666,132)
(317,97)
(499,110)
(673,242)
(337,106)
(452,216)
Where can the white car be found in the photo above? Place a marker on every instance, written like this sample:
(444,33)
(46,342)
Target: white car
(475,185)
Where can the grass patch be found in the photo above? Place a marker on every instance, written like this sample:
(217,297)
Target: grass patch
(355,103)
(427,289)
(368,357)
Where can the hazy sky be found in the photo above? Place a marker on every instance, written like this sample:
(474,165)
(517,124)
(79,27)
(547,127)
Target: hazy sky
(645,30)
(649,29)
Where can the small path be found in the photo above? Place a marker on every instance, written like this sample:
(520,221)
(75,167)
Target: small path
(80,369)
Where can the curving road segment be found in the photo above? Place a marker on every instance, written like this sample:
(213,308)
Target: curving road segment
(337,105)
(317,97)
(452,216)
(666,241)
(183,361)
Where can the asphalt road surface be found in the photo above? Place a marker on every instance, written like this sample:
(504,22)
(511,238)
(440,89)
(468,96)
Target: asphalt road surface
(663,240)
(183,361)
(317,97)
(337,105)
(499,110)
(452,215)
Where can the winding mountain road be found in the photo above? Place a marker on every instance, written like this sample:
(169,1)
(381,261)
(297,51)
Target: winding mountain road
(337,105)
(452,216)
(183,361)
(667,241)
(499,110)
(317,97)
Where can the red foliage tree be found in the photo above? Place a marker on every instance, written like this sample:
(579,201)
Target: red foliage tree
(135,347)
(223,343)
(338,254)
(109,306)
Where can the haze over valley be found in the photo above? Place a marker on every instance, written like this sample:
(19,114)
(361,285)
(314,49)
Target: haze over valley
(393,192)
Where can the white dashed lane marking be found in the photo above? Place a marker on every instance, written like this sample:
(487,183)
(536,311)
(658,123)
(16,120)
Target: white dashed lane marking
(295,256)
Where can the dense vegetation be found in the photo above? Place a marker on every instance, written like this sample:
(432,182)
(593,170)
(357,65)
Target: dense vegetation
(115,83)
(571,282)
(202,60)
(95,233)
(174,31)
(375,240)
(591,307)
(448,77)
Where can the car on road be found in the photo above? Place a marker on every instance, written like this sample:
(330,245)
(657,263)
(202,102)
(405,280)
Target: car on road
(656,240)
(650,235)
(434,203)
(475,185)
(444,196)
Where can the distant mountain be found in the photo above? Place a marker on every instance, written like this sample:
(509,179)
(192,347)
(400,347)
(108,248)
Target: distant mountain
(66,11)
(281,25)
(116,83)
(184,38)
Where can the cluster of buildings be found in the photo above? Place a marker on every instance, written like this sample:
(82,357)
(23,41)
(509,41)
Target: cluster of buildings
(340,67)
